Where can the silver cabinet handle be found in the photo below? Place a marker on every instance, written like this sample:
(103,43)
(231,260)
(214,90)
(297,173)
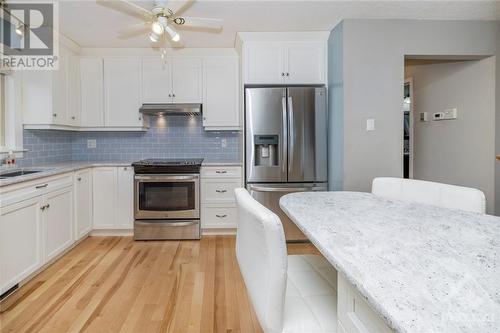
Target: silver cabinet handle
(42,208)
(169,95)
(79,179)
(73,117)
(47,206)
(140,118)
(54,115)
(220,171)
(287,74)
(282,74)
(41,186)
(221,191)
(173,95)
(221,216)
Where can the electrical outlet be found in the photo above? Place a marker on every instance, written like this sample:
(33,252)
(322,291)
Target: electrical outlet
(370,124)
(223,143)
(91,143)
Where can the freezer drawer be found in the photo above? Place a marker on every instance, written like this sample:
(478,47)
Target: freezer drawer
(166,229)
(270,194)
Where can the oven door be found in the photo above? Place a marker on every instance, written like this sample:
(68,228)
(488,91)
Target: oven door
(167,196)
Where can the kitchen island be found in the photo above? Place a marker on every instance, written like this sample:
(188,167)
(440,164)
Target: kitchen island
(414,267)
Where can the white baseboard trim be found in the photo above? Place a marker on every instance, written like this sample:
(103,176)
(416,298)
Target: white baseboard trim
(112,232)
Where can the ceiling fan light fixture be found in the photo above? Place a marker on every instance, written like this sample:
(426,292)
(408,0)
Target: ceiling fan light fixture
(157,28)
(154,37)
(174,35)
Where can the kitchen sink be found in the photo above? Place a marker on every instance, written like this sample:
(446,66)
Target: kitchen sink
(18,173)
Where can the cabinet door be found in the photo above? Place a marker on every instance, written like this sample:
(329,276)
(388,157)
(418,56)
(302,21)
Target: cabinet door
(156,81)
(264,63)
(60,90)
(83,203)
(58,221)
(186,80)
(91,92)
(74,89)
(305,62)
(122,86)
(125,204)
(220,96)
(20,241)
(104,183)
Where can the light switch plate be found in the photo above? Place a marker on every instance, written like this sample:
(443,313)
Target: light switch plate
(91,143)
(370,124)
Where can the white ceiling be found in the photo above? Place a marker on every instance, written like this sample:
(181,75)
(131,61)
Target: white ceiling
(94,25)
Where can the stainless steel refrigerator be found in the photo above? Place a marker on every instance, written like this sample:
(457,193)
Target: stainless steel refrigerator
(285,145)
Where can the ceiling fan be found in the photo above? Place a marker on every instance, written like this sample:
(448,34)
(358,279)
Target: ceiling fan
(161,20)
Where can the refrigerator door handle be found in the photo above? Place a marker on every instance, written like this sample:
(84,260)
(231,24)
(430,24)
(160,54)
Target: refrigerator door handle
(291,138)
(284,140)
(284,189)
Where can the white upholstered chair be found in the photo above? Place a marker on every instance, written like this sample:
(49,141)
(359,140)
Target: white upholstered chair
(294,293)
(437,194)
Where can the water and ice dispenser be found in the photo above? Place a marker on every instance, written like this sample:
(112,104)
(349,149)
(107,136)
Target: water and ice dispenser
(266,150)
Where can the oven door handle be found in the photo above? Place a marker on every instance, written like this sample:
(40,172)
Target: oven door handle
(170,224)
(166,178)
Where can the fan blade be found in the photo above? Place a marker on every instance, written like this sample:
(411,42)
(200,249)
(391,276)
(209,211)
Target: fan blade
(179,7)
(127,7)
(200,22)
(134,30)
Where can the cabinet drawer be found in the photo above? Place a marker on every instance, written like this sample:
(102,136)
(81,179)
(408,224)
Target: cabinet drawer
(22,191)
(221,172)
(218,217)
(215,191)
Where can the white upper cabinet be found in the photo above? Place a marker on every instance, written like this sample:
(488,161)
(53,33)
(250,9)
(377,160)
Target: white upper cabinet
(49,95)
(186,80)
(284,58)
(92,97)
(122,92)
(221,91)
(264,63)
(156,80)
(305,62)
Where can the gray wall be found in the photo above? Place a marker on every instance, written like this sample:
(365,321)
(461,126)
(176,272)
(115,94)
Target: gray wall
(373,54)
(447,151)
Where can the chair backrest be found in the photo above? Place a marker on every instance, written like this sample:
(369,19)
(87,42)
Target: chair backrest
(262,257)
(437,194)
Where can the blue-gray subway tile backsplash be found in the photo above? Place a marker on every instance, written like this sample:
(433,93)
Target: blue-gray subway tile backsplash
(168,137)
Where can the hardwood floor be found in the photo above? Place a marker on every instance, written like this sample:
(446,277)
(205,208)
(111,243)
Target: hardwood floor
(113,284)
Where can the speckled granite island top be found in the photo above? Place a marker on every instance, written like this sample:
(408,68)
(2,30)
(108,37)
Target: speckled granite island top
(421,268)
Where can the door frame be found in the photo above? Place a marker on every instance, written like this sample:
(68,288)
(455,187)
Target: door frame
(409,81)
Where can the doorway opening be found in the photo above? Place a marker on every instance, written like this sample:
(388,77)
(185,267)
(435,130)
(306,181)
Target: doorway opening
(408,128)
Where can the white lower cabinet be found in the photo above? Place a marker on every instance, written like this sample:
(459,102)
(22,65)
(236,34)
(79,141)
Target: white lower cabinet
(20,241)
(125,198)
(218,206)
(354,314)
(113,197)
(58,221)
(83,203)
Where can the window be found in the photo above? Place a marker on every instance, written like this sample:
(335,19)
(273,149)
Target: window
(11,128)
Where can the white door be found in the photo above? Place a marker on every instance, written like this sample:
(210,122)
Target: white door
(186,80)
(20,241)
(305,62)
(91,92)
(74,89)
(104,181)
(83,203)
(122,87)
(60,90)
(156,81)
(125,202)
(264,63)
(58,221)
(220,96)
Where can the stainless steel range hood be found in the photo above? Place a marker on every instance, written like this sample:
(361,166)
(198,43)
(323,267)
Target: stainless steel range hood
(171,109)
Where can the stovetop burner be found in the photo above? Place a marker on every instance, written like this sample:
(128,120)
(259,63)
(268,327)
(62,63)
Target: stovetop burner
(167,165)
(169,161)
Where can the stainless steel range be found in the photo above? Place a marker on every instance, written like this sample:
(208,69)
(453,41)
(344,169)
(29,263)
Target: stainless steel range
(167,199)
